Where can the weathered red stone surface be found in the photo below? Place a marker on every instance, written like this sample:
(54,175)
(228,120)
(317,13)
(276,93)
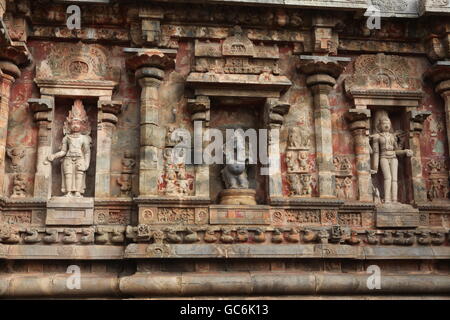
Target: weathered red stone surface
(321,78)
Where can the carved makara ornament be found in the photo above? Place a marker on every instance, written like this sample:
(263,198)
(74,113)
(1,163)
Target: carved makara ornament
(385,152)
(75,151)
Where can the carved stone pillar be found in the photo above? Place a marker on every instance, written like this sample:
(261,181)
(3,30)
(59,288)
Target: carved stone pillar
(321,78)
(8,73)
(359,126)
(275,112)
(107,120)
(149,67)
(200,110)
(43,115)
(440,75)
(417,119)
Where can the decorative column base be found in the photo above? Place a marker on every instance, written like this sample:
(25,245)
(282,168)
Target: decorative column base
(66,211)
(238,197)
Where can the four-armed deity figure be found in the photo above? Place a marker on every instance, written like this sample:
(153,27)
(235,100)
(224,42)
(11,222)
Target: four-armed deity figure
(385,150)
(76,151)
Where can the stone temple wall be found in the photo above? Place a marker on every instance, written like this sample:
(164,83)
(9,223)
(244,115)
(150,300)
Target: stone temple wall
(356,117)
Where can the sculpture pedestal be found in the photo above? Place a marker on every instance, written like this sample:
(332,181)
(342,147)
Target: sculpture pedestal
(397,215)
(238,197)
(70,211)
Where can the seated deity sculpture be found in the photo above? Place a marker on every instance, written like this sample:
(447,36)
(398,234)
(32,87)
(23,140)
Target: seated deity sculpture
(75,151)
(234,174)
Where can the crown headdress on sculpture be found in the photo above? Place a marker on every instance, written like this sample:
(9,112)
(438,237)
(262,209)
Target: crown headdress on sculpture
(380,116)
(77,115)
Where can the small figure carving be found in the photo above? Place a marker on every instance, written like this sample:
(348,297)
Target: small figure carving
(324,236)
(171,182)
(306,185)
(438,238)
(70,236)
(117,236)
(353,239)
(101,236)
(403,238)
(372,237)
(16,155)
(298,139)
(88,236)
(210,236)
(303,164)
(172,236)
(183,181)
(172,138)
(226,236)
(424,238)
(293,236)
(191,236)
(259,236)
(128,162)
(242,235)
(52,236)
(33,236)
(310,235)
(387,238)
(348,188)
(291,162)
(277,236)
(434,193)
(295,188)
(19,186)
(385,152)
(125,183)
(76,151)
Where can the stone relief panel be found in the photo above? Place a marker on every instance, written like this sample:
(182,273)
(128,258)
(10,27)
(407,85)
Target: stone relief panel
(76,62)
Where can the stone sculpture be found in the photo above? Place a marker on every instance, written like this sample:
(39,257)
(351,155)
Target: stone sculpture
(385,152)
(75,151)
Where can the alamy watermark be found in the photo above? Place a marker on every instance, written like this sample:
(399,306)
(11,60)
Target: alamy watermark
(374,280)
(73,282)
(237,147)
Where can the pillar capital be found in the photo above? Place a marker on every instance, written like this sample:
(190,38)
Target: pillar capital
(323,66)
(276,110)
(151,58)
(439,74)
(200,109)
(358,119)
(417,119)
(109,110)
(42,109)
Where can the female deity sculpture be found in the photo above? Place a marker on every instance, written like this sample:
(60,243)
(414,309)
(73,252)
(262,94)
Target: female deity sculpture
(75,151)
(385,152)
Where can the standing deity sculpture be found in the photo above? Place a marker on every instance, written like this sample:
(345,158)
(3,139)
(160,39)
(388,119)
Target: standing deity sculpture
(385,152)
(75,151)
